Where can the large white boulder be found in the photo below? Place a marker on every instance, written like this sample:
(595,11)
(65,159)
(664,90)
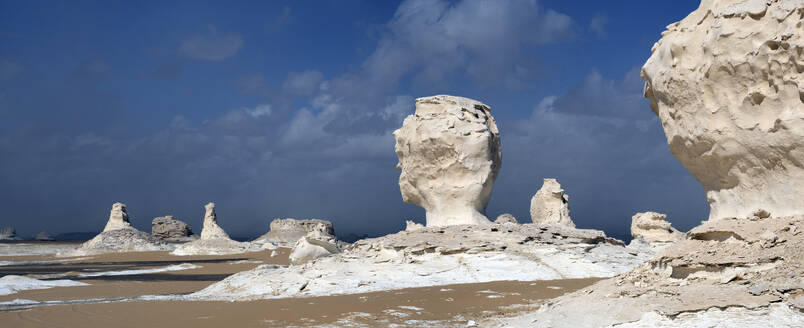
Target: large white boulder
(449,154)
(550,205)
(118,218)
(652,227)
(285,232)
(727,84)
(315,244)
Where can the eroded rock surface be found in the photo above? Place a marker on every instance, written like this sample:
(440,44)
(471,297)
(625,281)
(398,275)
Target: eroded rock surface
(550,205)
(449,154)
(652,227)
(169,229)
(437,256)
(8,233)
(728,87)
(118,218)
(214,240)
(316,244)
(286,232)
(505,218)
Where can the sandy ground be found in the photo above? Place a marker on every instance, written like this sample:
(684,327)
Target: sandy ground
(452,305)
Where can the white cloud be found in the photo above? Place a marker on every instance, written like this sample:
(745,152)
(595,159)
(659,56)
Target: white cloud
(212,46)
(304,83)
(598,25)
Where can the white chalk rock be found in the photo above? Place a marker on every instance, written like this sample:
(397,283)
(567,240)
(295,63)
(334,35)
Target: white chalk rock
(449,154)
(506,218)
(728,87)
(8,233)
(285,232)
(550,205)
(652,227)
(412,226)
(314,245)
(211,229)
(118,218)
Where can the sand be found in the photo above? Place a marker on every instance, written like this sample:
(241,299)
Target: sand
(451,305)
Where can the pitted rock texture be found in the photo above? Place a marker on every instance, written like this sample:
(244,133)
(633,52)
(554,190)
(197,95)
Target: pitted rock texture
(449,154)
(286,232)
(506,218)
(652,227)
(170,229)
(315,244)
(550,205)
(211,229)
(118,218)
(727,264)
(727,83)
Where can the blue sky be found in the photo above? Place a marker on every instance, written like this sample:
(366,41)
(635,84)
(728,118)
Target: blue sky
(285,109)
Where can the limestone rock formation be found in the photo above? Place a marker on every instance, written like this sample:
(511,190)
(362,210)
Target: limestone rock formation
(449,154)
(728,87)
(118,218)
(286,232)
(8,233)
(315,244)
(170,229)
(412,226)
(119,236)
(44,236)
(506,218)
(652,227)
(438,256)
(211,229)
(214,240)
(550,205)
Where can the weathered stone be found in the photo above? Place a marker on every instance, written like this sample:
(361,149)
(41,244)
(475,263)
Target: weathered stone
(8,233)
(652,227)
(118,218)
(285,232)
(168,228)
(506,218)
(550,205)
(449,154)
(211,229)
(315,244)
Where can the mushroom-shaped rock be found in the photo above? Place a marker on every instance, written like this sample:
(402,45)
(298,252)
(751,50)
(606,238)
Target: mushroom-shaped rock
(285,232)
(211,229)
(449,154)
(168,228)
(315,244)
(550,205)
(726,84)
(652,227)
(506,218)
(118,218)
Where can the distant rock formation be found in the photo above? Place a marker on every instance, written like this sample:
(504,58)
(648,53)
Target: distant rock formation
(214,240)
(412,226)
(120,236)
(118,218)
(726,84)
(652,227)
(8,233)
(44,236)
(550,205)
(449,154)
(314,245)
(169,229)
(286,232)
(211,229)
(506,218)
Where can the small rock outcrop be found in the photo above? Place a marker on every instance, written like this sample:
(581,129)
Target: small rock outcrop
(449,154)
(120,236)
(44,236)
(315,244)
(118,218)
(8,233)
(550,205)
(169,229)
(726,84)
(506,218)
(652,227)
(286,232)
(214,240)
(412,226)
